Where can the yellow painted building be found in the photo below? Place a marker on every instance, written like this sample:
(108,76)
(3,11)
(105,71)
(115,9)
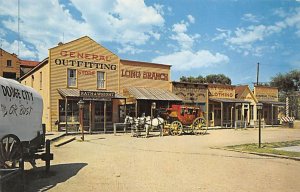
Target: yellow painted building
(109,86)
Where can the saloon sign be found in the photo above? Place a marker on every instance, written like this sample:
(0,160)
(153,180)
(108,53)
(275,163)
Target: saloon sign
(144,75)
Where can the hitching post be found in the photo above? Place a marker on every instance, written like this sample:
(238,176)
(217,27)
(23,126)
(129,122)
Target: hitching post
(81,106)
(259,108)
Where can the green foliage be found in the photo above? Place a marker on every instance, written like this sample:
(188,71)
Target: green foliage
(269,148)
(288,82)
(213,78)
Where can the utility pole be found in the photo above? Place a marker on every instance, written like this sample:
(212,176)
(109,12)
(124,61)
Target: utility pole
(257,74)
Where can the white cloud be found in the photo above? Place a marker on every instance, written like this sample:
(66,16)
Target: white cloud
(191,19)
(25,52)
(243,40)
(180,35)
(188,60)
(129,49)
(121,21)
(250,17)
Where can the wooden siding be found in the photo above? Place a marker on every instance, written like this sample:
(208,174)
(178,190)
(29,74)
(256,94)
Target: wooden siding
(88,78)
(34,80)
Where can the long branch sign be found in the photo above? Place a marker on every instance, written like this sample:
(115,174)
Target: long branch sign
(97,95)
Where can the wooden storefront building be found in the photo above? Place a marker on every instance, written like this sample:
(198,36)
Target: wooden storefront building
(268,96)
(109,86)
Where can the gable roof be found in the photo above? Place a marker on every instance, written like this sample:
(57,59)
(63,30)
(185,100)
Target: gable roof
(240,89)
(41,64)
(27,63)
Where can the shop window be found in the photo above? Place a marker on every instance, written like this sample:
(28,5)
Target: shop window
(100,80)
(8,63)
(72,111)
(72,78)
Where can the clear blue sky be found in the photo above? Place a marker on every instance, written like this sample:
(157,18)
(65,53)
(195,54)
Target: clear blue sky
(196,37)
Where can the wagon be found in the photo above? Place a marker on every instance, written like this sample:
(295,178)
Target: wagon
(184,119)
(22,135)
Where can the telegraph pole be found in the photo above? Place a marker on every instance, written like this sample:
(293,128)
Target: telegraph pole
(257,74)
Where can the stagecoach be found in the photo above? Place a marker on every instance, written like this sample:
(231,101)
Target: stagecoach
(184,119)
(22,135)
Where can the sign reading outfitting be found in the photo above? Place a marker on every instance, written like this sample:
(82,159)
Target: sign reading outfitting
(97,60)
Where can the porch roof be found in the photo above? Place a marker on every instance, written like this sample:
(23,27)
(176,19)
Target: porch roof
(276,103)
(225,100)
(76,93)
(143,93)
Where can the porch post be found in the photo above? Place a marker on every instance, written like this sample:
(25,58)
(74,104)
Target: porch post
(66,115)
(221,114)
(90,122)
(272,110)
(104,116)
(136,108)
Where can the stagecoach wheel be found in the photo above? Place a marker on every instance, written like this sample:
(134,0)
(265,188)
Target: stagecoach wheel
(10,151)
(176,128)
(199,126)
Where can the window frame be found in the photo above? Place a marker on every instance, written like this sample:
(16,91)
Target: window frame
(76,78)
(104,79)
(8,63)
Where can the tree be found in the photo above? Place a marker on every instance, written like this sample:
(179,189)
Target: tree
(288,85)
(288,82)
(219,78)
(213,78)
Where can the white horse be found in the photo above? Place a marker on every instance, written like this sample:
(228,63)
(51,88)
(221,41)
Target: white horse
(145,123)
(154,123)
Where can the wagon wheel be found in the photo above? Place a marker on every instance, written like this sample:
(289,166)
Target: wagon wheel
(176,128)
(10,151)
(199,126)
(166,128)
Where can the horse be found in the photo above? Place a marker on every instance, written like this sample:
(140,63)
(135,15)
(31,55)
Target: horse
(144,123)
(154,123)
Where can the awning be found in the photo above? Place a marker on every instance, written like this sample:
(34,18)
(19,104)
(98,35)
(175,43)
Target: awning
(76,93)
(154,94)
(224,100)
(275,103)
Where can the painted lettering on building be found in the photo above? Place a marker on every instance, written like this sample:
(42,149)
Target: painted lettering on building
(266,93)
(144,75)
(86,72)
(190,93)
(86,60)
(221,92)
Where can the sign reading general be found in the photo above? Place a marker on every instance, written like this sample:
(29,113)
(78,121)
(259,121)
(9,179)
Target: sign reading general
(86,60)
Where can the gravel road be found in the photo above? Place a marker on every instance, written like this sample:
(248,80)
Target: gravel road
(172,163)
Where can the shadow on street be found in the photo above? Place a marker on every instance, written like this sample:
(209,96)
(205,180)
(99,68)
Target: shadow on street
(38,180)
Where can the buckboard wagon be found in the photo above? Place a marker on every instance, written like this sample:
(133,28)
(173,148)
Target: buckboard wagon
(22,135)
(184,119)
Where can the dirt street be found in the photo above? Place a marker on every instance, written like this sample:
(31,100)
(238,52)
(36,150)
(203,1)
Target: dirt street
(172,163)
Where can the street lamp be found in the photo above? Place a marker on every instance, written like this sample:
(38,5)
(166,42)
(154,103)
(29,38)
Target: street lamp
(259,108)
(81,106)
(153,106)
